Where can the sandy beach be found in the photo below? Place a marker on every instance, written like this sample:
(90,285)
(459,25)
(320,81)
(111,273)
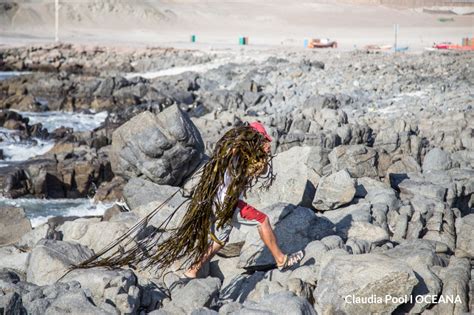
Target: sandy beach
(218,24)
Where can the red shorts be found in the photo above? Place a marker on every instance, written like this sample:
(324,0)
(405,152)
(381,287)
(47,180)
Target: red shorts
(249,213)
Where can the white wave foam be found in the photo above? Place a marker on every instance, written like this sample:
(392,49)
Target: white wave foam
(55,119)
(16,149)
(40,210)
(8,74)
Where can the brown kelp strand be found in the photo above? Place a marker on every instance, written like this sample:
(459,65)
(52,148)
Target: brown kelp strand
(240,153)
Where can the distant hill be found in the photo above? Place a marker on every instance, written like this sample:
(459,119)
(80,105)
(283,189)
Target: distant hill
(172,20)
(116,14)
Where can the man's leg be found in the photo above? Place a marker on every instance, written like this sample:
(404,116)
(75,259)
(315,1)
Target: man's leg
(249,214)
(269,239)
(194,269)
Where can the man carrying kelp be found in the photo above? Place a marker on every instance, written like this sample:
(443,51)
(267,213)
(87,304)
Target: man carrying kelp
(240,158)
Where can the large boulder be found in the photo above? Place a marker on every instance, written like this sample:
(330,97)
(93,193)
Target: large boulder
(165,147)
(359,160)
(296,179)
(50,260)
(348,281)
(334,191)
(13,225)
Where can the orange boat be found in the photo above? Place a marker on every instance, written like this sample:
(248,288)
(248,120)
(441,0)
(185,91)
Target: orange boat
(467,45)
(322,43)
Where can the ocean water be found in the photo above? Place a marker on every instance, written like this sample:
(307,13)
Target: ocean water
(8,74)
(16,149)
(40,210)
(78,121)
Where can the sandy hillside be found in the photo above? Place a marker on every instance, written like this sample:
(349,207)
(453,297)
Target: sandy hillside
(266,22)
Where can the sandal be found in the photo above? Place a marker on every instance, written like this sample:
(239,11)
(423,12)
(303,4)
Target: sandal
(291,260)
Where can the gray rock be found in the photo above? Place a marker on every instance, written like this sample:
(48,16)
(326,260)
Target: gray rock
(50,259)
(296,179)
(293,229)
(14,225)
(350,276)
(330,118)
(465,236)
(225,268)
(265,287)
(334,191)
(359,160)
(165,211)
(357,246)
(437,160)
(74,303)
(410,188)
(152,296)
(11,303)
(367,232)
(105,284)
(197,293)
(165,148)
(406,164)
(421,256)
(32,237)
(340,220)
(454,297)
(140,191)
(314,252)
(440,225)
(463,159)
(13,258)
(367,184)
(278,303)
(239,287)
(204,311)
(387,139)
(8,276)
(94,235)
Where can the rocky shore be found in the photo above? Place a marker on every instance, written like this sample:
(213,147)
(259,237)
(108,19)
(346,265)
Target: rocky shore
(374,163)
